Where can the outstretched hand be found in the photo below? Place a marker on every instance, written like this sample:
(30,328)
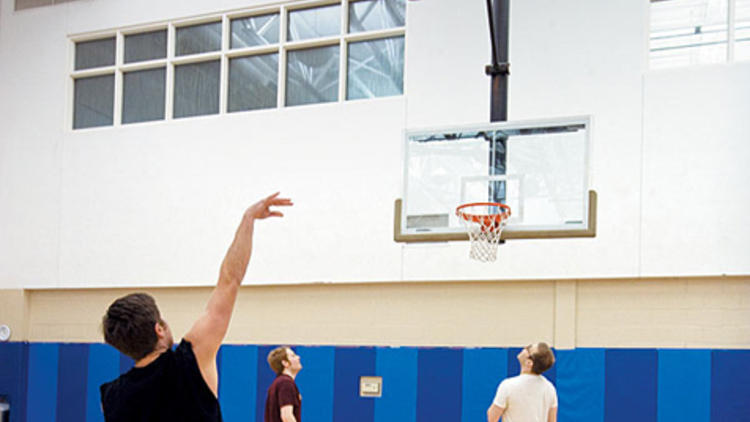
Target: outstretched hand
(262,208)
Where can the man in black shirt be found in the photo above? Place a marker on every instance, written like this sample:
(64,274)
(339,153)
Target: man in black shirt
(179,385)
(283,400)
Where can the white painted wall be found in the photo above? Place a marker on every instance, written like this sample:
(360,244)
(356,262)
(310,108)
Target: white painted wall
(157,203)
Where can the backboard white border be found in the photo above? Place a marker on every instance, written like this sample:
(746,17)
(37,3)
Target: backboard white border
(586,227)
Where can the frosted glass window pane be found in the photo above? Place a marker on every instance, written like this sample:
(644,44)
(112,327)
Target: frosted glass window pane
(146,46)
(254,31)
(312,76)
(97,53)
(196,89)
(198,39)
(143,95)
(688,32)
(253,82)
(94,101)
(742,30)
(371,15)
(314,23)
(376,68)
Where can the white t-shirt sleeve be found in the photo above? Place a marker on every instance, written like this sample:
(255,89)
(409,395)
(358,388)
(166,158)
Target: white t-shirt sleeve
(552,396)
(501,396)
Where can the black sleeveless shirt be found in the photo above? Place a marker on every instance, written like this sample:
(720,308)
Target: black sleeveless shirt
(170,388)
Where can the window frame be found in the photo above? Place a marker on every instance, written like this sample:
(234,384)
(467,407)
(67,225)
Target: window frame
(731,24)
(224,55)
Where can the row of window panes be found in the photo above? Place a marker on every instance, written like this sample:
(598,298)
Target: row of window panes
(688,32)
(304,24)
(375,66)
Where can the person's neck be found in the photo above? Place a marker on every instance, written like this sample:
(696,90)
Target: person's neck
(144,361)
(525,371)
(290,373)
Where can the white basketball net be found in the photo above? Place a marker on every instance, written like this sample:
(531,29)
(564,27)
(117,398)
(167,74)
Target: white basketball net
(484,232)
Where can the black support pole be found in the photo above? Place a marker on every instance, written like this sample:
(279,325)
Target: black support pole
(498,12)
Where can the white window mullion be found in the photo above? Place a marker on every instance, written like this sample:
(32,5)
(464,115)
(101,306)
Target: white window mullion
(70,104)
(343,53)
(169,88)
(732,20)
(119,58)
(224,76)
(282,57)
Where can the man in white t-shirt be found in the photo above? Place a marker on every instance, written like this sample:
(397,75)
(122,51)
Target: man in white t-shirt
(528,397)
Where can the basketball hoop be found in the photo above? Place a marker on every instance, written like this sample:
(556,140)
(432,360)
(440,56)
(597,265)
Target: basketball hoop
(484,221)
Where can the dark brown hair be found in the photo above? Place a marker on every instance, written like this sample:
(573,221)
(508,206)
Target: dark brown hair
(129,323)
(276,357)
(543,358)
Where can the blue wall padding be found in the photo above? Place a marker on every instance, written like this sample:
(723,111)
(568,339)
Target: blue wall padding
(684,391)
(398,367)
(50,382)
(41,399)
(352,363)
(439,382)
(315,383)
(237,382)
(13,370)
(265,378)
(630,385)
(483,371)
(125,363)
(580,385)
(72,372)
(103,366)
(730,382)
(551,373)
(514,367)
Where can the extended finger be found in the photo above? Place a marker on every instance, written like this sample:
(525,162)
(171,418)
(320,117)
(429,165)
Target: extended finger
(281,201)
(271,197)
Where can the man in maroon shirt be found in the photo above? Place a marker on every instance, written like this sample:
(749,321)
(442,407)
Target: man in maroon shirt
(283,400)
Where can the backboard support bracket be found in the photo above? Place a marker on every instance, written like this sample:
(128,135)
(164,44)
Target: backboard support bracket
(590,231)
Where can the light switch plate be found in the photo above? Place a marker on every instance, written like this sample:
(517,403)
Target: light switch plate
(370,386)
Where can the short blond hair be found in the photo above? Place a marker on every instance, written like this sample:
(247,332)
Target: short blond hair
(276,358)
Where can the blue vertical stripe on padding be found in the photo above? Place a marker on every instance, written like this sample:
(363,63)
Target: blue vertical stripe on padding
(316,382)
(684,390)
(352,363)
(398,368)
(551,373)
(265,377)
(630,385)
(103,366)
(483,370)
(125,363)
(72,374)
(13,370)
(730,385)
(514,367)
(580,385)
(42,384)
(439,382)
(238,382)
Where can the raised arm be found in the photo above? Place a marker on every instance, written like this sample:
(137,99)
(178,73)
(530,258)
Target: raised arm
(209,330)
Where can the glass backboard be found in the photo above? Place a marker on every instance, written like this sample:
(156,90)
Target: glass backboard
(539,168)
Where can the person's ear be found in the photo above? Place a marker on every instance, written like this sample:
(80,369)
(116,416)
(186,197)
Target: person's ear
(286,363)
(160,330)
